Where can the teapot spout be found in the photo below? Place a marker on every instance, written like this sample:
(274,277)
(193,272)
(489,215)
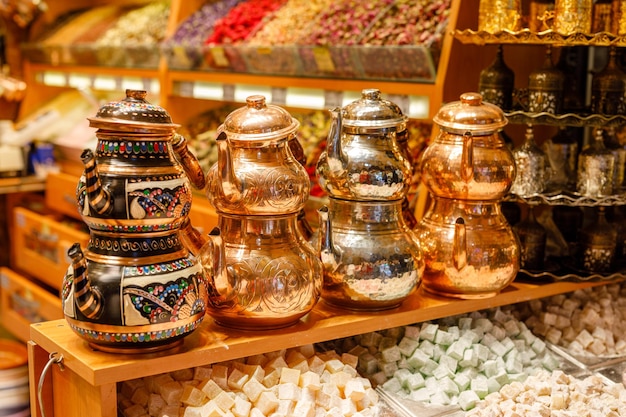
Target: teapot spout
(99,198)
(87,299)
(192,239)
(188,161)
(231,188)
(337,160)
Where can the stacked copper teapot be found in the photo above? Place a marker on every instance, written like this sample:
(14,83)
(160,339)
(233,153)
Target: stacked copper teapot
(371,258)
(262,272)
(137,286)
(470,250)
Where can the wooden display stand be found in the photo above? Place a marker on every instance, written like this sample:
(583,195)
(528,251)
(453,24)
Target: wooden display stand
(86,381)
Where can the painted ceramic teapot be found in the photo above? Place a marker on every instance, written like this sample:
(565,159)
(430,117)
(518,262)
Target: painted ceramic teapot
(136,286)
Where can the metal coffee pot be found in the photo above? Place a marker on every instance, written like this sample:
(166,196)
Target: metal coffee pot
(371,258)
(137,286)
(262,273)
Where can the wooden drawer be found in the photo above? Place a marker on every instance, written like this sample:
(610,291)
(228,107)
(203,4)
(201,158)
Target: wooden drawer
(23,302)
(61,193)
(41,243)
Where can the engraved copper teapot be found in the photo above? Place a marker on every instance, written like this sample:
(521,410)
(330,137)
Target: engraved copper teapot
(137,286)
(263,273)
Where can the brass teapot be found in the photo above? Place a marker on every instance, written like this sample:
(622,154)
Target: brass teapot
(263,273)
(137,286)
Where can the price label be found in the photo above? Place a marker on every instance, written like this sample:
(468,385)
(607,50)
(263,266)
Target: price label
(229,92)
(332,98)
(181,59)
(219,56)
(279,95)
(323,59)
(264,50)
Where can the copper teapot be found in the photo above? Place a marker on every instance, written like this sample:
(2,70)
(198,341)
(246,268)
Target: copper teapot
(468,159)
(137,286)
(263,273)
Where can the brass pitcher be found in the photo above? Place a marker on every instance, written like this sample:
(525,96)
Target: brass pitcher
(137,286)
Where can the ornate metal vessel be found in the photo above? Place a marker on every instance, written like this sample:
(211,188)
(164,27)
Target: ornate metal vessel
(363,160)
(469,249)
(371,258)
(136,286)
(468,159)
(262,272)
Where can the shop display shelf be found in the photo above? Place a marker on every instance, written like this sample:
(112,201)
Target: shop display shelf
(128,56)
(547,37)
(570,198)
(565,119)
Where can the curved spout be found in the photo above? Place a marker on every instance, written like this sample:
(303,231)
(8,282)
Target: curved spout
(459,248)
(100,200)
(188,161)
(231,187)
(336,158)
(87,299)
(213,259)
(192,239)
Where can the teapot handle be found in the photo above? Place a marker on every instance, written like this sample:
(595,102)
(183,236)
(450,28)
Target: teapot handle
(467,157)
(188,161)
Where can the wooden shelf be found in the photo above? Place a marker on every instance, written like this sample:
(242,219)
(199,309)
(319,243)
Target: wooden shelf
(213,343)
(21,185)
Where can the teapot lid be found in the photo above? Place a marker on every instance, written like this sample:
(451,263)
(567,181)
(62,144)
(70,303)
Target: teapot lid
(132,113)
(471,114)
(371,111)
(258,121)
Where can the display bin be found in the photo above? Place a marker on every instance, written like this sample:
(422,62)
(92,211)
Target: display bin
(329,61)
(23,302)
(272,60)
(41,242)
(414,63)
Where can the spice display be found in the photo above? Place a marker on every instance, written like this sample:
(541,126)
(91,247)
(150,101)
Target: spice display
(409,23)
(291,23)
(345,22)
(589,322)
(142,26)
(196,28)
(293,382)
(241,21)
(555,394)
